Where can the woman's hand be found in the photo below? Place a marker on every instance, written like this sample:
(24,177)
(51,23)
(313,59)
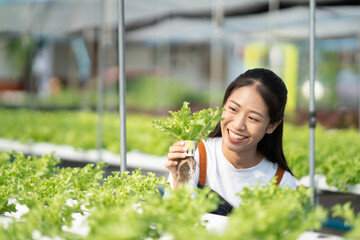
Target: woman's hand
(176,153)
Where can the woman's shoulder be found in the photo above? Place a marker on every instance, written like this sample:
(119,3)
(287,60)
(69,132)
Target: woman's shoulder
(288,180)
(213,149)
(213,145)
(213,141)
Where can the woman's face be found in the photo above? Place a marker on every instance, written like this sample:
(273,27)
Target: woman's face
(246,120)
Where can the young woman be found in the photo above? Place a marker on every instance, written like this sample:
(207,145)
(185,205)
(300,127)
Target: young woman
(246,146)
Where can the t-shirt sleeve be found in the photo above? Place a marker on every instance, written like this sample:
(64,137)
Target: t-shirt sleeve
(170,180)
(288,180)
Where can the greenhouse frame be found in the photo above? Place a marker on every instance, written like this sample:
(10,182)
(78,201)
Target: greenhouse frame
(83,84)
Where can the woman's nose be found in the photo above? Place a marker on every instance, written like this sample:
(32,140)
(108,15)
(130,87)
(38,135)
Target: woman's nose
(240,122)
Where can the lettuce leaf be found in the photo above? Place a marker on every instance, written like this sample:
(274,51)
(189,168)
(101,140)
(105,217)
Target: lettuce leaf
(183,125)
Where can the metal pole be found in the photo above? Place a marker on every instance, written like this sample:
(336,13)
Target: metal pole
(312,111)
(273,10)
(216,48)
(100,85)
(359,76)
(122,87)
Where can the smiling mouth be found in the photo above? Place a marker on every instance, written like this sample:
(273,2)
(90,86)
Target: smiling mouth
(236,137)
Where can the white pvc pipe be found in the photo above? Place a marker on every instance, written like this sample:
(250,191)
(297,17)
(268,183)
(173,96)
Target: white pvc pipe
(122,86)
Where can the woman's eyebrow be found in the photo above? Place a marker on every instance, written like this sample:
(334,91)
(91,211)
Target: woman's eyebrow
(251,110)
(257,113)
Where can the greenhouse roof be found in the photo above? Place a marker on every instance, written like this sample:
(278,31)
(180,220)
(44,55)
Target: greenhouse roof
(179,21)
(292,23)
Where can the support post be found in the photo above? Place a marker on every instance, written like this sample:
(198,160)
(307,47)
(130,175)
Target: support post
(312,111)
(100,84)
(358,40)
(216,48)
(122,87)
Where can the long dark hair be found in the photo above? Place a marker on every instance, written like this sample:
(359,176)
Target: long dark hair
(274,92)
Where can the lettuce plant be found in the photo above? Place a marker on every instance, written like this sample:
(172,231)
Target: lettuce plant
(129,206)
(182,125)
(351,218)
(186,126)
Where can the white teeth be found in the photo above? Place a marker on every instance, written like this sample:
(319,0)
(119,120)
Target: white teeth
(235,136)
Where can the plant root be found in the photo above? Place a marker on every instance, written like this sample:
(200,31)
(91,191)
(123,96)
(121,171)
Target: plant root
(186,169)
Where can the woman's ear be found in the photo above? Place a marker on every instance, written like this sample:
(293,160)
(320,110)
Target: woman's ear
(272,127)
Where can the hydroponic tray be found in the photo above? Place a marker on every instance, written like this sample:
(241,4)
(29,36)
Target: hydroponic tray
(320,184)
(134,159)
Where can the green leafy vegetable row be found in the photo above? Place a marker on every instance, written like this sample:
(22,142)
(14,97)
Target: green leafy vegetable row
(79,129)
(337,152)
(129,206)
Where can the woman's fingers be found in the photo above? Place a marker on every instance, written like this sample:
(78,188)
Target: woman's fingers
(178,148)
(171,164)
(176,152)
(175,156)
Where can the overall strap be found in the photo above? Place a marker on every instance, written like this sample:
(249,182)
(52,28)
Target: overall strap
(202,163)
(224,208)
(279,173)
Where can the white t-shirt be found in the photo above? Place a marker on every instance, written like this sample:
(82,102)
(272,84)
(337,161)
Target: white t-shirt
(226,180)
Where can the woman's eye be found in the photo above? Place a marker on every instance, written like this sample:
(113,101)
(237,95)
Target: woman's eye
(253,119)
(232,109)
